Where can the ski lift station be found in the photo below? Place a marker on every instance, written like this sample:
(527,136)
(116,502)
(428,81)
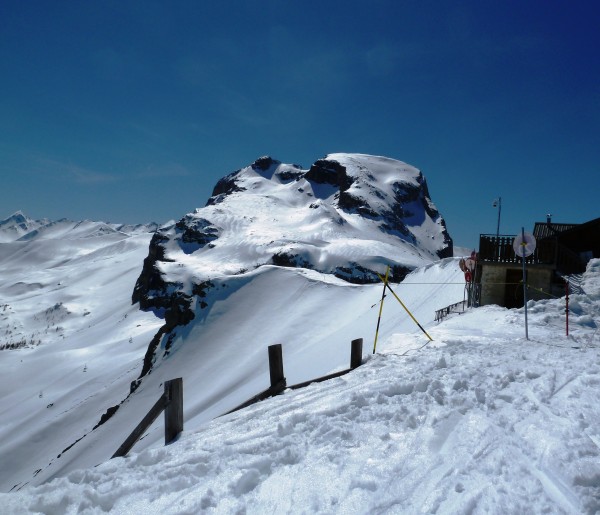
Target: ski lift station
(561,252)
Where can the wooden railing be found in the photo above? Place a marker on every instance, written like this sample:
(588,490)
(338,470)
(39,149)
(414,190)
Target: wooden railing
(548,251)
(171,401)
(279,382)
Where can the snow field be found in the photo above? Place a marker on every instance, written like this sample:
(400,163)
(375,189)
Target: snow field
(87,341)
(478,421)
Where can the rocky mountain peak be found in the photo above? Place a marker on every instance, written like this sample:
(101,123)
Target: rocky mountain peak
(348,215)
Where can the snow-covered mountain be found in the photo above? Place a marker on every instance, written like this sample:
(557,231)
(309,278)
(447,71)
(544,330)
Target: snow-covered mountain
(41,264)
(18,225)
(349,215)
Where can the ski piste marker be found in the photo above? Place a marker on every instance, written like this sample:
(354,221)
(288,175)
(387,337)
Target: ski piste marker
(387,271)
(386,284)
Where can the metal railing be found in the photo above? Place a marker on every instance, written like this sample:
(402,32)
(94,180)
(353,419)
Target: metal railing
(457,307)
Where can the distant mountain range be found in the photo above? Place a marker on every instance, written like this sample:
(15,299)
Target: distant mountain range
(19,227)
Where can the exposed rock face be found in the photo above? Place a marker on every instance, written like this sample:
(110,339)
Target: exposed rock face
(349,215)
(168,299)
(224,187)
(331,172)
(150,288)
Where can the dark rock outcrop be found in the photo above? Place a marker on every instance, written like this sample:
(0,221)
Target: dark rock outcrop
(264,163)
(225,186)
(194,233)
(329,172)
(150,287)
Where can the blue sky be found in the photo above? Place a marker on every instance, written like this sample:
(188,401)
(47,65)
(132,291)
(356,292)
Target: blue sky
(130,111)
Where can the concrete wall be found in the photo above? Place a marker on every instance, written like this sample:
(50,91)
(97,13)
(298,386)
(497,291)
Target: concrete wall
(494,277)
(492,292)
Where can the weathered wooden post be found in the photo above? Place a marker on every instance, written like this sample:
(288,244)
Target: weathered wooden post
(173,409)
(278,382)
(171,401)
(146,422)
(356,353)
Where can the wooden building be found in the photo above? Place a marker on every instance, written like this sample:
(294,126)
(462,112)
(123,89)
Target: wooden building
(561,250)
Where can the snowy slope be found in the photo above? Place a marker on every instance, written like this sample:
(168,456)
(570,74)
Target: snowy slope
(223,358)
(64,312)
(478,421)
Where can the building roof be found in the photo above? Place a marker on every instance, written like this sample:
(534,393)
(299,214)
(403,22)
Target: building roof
(583,237)
(543,230)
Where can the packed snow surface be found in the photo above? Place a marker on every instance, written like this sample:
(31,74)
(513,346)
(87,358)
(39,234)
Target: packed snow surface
(480,420)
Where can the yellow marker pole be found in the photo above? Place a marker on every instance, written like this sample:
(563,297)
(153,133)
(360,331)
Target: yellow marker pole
(402,304)
(387,271)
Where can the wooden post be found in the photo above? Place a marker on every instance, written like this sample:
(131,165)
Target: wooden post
(146,422)
(276,367)
(171,401)
(174,409)
(356,353)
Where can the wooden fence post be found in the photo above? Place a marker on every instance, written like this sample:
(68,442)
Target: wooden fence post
(356,353)
(146,422)
(278,382)
(174,409)
(171,402)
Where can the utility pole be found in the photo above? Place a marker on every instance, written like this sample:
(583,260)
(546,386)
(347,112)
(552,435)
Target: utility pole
(498,203)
